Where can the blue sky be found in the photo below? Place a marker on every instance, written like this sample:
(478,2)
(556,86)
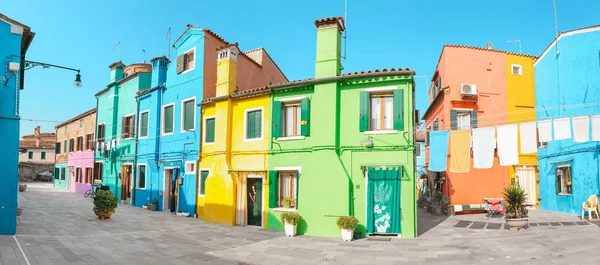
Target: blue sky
(381,34)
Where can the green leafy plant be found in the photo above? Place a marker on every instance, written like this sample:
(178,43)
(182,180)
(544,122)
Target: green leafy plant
(105,201)
(515,198)
(290,218)
(155,202)
(287,202)
(347,222)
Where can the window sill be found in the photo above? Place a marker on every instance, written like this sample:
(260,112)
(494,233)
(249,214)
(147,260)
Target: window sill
(208,143)
(564,194)
(190,173)
(253,139)
(140,188)
(201,195)
(187,71)
(281,209)
(382,132)
(291,138)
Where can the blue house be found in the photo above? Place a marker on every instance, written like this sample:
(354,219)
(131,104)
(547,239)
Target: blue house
(420,136)
(567,84)
(15,39)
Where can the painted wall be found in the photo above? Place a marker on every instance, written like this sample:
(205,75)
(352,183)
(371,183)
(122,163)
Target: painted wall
(83,160)
(420,159)
(37,156)
(79,126)
(568,84)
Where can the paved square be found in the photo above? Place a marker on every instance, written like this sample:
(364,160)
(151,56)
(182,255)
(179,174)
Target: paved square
(61,228)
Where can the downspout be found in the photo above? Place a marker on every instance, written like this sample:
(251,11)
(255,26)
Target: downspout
(95,149)
(135,150)
(199,158)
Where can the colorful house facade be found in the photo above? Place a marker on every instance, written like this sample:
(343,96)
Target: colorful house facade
(15,39)
(420,137)
(481,87)
(232,168)
(36,154)
(567,84)
(75,145)
(115,127)
(343,144)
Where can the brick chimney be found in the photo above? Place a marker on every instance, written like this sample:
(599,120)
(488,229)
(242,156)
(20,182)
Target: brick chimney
(329,46)
(489,46)
(159,70)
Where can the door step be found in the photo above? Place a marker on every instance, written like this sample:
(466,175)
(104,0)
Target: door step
(376,237)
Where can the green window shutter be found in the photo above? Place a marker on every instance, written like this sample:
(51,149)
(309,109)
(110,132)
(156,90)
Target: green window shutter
(364,111)
(168,120)
(276,119)
(180,63)
(43,155)
(203,176)
(57,148)
(474,119)
(258,123)
(297,188)
(30,155)
(188,115)
(305,116)
(273,189)
(399,109)
(144,124)
(250,125)
(453,120)
(210,131)
(56,173)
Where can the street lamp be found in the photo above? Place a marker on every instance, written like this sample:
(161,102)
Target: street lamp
(32,64)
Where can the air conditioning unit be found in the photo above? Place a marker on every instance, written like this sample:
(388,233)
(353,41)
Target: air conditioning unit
(468,90)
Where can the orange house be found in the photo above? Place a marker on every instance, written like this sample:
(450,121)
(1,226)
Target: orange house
(470,89)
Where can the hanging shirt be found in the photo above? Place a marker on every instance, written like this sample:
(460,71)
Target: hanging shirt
(508,150)
(438,150)
(528,138)
(484,143)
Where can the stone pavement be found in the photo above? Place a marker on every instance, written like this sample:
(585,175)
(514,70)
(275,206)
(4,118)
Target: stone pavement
(60,228)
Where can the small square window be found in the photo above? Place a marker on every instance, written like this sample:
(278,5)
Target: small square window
(517,69)
(564,186)
(190,167)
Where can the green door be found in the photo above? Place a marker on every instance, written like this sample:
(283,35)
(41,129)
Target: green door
(60,181)
(254,201)
(384,212)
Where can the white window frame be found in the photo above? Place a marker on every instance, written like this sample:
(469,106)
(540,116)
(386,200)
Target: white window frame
(262,125)
(129,115)
(183,111)
(186,167)
(140,125)
(562,179)
(200,181)
(512,66)
(421,146)
(162,119)
(380,89)
(292,168)
(462,112)
(137,179)
(193,65)
(204,129)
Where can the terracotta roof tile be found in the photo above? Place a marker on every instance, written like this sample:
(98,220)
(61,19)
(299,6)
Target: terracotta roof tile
(160,57)
(338,19)
(32,144)
(420,135)
(384,70)
(89,112)
(41,135)
(248,91)
(486,49)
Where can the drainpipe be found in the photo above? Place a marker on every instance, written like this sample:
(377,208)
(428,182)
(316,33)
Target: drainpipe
(199,159)
(136,141)
(96,135)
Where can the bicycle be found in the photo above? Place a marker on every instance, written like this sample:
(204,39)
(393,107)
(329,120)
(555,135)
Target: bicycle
(90,192)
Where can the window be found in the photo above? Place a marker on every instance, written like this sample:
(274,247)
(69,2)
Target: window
(65,146)
(80,143)
(71,144)
(418,148)
(463,119)
(167,120)
(78,175)
(381,110)
(186,61)
(287,187)
(101,132)
(88,175)
(57,148)
(30,155)
(291,119)
(141,180)
(188,115)
(56,173)
(190,167)
(563,180)
(209,130)
(253,124)
(517,69)
(43,155)
(203,177)
(436,124)
(89,141)
(144,124)
(127,126)
(63,174)
(98,171)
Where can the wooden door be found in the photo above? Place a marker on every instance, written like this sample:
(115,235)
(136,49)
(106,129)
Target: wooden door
(125,182)
(167,189)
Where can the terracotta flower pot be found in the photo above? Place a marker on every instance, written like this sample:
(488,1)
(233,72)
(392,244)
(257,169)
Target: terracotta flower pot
(103,215)
(438,211)
(19,211)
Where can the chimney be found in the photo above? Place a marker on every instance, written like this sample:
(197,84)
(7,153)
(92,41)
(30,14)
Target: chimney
(329,46)
(489,46)
(159,70)
(227,70)
(36,132)
(116,71)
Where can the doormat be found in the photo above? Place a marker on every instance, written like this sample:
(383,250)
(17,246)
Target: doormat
(377,238)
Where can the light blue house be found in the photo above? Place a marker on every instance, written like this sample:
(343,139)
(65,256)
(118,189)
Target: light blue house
(567,84)
(420,136)
(15,39)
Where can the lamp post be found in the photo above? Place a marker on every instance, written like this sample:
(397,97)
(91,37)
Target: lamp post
(32,64)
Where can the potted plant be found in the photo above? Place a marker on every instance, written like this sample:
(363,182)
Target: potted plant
(22,187)
(154,205)
(287,202)
(290,221)
(19,211)
(516,212)
(347,224)
(105,203)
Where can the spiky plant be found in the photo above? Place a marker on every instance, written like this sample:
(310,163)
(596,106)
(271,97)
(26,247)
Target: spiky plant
(515,198)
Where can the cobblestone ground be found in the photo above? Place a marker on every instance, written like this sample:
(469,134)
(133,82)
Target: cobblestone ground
(60,228)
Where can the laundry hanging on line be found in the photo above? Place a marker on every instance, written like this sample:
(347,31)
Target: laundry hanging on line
(484,144)
(562,128)
(595,128)
(581,129)
(438,151)
(508,151)
(545,131)
(460,155)
(527,133)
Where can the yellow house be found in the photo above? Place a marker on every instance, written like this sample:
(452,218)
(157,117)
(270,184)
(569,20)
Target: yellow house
(521,109)
(233,186)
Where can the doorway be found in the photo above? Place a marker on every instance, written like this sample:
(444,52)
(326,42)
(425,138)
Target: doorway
(383,200)
(126,182)
(254,202)
(526,179)
(169,194)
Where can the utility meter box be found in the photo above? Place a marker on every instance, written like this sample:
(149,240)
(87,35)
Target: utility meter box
(13,67)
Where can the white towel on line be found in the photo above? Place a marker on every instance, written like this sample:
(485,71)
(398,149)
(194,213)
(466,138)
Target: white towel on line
(545,131)
(581,129)
(484,143)
(528,134)
(562,128)
(595,128)
(508,150)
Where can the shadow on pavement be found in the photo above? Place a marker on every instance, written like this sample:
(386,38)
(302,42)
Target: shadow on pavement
(427,221)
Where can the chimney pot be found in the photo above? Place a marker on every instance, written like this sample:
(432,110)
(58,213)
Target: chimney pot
(489,46)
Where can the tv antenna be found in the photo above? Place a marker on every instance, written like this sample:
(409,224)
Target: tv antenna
(118,47)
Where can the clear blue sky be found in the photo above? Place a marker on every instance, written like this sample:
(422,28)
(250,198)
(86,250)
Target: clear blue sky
(381,34)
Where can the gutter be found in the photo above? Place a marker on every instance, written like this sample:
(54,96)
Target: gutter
(340,78)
